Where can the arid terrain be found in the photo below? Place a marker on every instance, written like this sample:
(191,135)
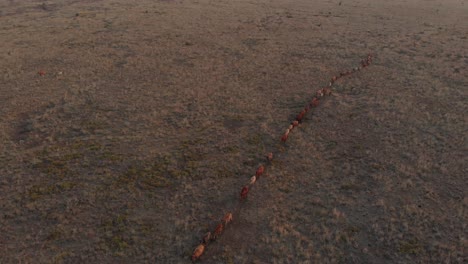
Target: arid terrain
(127,129)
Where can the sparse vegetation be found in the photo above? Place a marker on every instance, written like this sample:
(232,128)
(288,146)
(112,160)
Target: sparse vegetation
(115,230)
(410,247)
(147,176)
(38,191)
(128,130)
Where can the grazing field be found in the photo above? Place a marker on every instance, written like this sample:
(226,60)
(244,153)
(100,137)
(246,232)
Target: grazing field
(128,128)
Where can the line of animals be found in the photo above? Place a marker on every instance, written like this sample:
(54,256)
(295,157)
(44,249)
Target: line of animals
(212,236)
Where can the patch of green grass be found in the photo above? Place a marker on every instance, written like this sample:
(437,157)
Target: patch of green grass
(358,147)
(108,155)
(331,144)
(93,125)
(66,185)
(53,166)
(180,174)
(154,175)
(236,117)
(228,258)
(78,144)
(94,146)
(60,257)
(114,230)
(55,160)
(37,191)
(190,150)
(155,181)
(254,139)
(188,158)
(147,229)
(343,238)
(230,149)
(410,247)
(223,170)
(348,233)
(117,224)
(72,156)
(351,230)
(349,186)
(377,166)
(55,234)
(118,243)
(64,161)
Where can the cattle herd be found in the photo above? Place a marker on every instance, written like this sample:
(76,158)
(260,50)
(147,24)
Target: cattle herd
(314,102)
